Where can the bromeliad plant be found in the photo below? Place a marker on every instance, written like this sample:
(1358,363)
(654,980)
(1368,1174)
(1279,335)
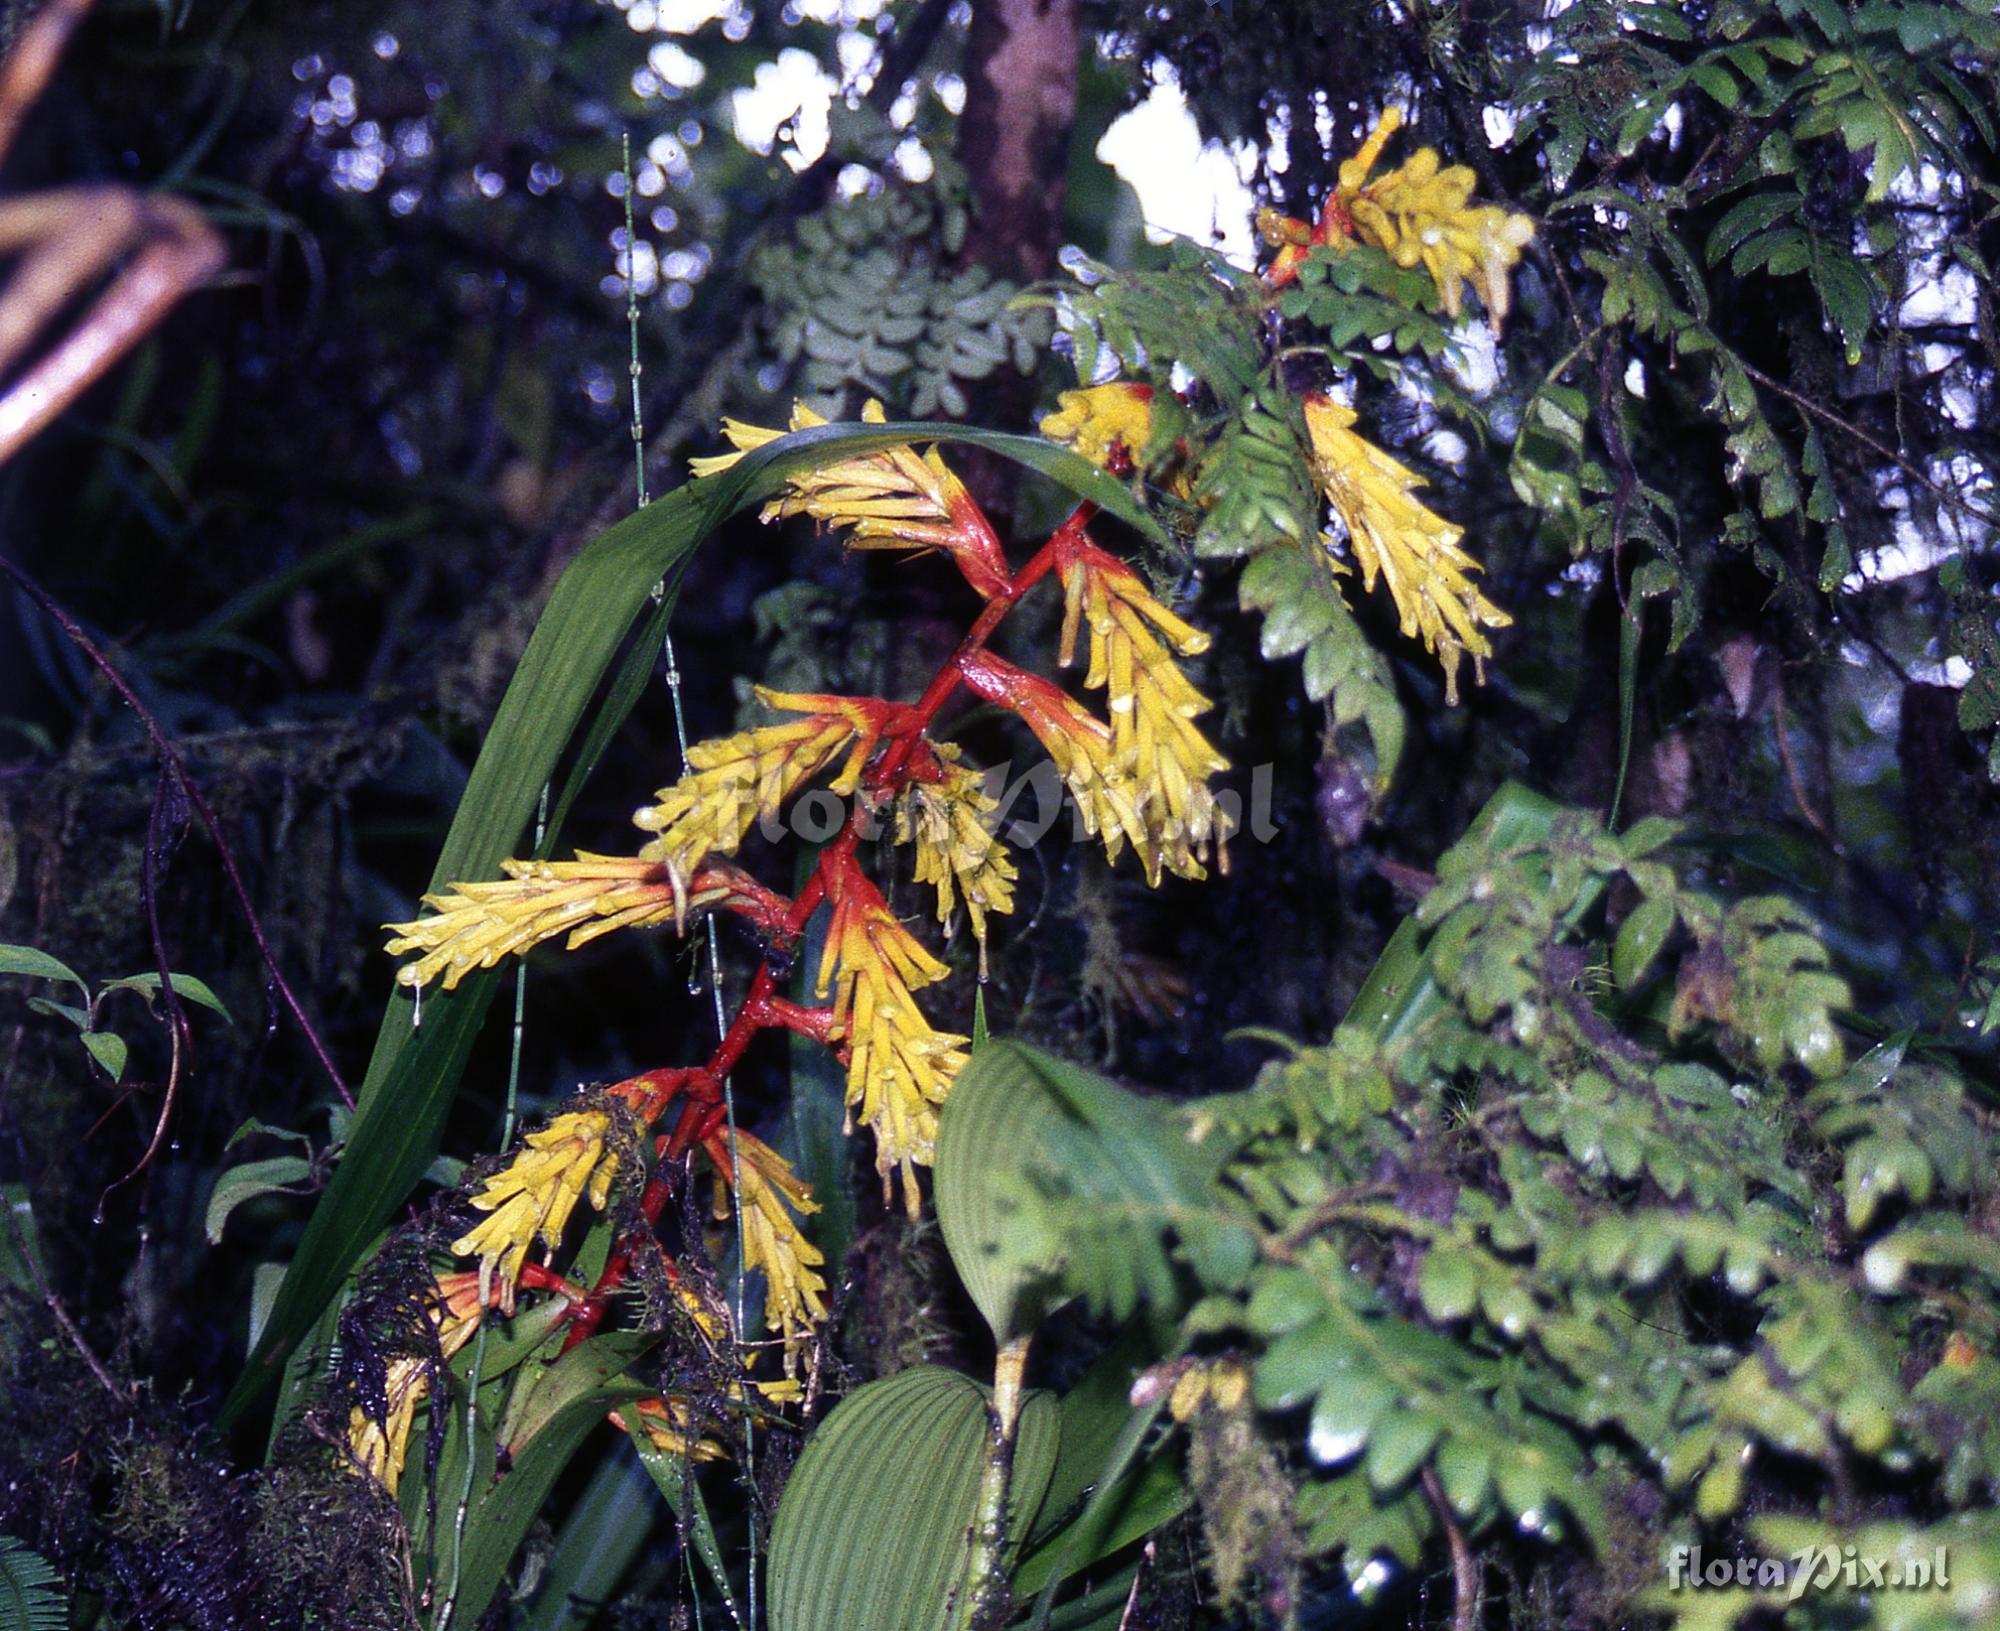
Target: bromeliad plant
(1139,778)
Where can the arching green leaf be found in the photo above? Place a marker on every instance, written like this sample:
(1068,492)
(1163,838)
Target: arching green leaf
(873,1533)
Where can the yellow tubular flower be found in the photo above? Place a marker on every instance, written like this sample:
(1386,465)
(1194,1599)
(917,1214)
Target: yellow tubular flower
(669,1426)
(795,1292)
(1108,424)
(1111,425)
(1422,214)
(894,499)
(899,1070)
(956,852)
(475,925)
(735,781)
(534,1194)
(1414,551)
(1081,747)
(379,1448)
(1154,743)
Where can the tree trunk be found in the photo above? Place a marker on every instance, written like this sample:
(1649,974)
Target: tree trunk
(1020,101)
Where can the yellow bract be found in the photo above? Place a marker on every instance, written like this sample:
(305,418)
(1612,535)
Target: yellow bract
(899,1070)
(534,1194)
(1413,550)
(1101,421)
(891,498)
(1154,744)
(1421,214)
(794,1291)
(380,1446)
(475,925)
(735,781)
(669,1427)
(956,852)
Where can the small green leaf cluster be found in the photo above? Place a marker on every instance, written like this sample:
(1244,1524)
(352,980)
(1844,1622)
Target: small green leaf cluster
(864,301)
(1840,148)
(108,1050)
(1883,78)
(1363,304)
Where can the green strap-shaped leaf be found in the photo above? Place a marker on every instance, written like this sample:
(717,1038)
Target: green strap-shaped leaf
(414,1071)
(462,1555)
(874,1530)
(602,1534)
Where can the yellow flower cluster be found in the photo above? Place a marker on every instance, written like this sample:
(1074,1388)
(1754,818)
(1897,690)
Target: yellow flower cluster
(899,1070)
(1422,213)
(1079,745)
(1108,424)
(1419,214)
(379,1447)
(731,783)
(1413,550)
(1221,1384)
(1154,744)
(795,1291)
(735,781)
(533,1196)
(957,854)
(893,499)
(475,925)
(1111,425)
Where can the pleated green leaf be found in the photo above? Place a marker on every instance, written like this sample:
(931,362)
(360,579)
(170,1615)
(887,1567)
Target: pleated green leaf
(1053,1181)
(873,1532)
(415,1069)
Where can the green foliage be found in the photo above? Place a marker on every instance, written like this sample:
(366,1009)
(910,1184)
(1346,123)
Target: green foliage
(1360,301)
(1456,1213)
(539,1411)
(1026,1144)
(31,1597)
(107,1049)
(865,300)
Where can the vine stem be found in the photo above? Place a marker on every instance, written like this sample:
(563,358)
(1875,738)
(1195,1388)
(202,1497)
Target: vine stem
(170,757)
(982,1596)
(1467,1598)
(673,676)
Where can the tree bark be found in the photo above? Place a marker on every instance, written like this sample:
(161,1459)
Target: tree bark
(1020,101)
